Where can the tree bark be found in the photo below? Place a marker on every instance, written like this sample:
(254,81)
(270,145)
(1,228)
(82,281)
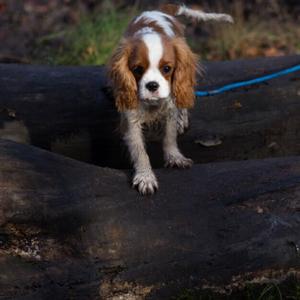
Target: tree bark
(67,110)
(71,230)
(74,230)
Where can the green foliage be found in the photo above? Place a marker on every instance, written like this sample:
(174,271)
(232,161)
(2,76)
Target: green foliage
(91,41)
(290,289)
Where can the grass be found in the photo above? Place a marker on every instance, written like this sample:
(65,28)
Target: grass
(290,289)
(248,38)
(90,42)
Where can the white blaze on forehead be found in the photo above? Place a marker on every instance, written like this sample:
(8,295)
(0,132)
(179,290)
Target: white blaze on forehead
(161,19)
(155,48)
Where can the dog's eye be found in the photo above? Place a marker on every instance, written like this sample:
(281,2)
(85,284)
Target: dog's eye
(138,70)
(166,69)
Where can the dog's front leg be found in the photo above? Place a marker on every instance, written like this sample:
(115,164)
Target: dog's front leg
(172,154)
(182,121)
(144,179)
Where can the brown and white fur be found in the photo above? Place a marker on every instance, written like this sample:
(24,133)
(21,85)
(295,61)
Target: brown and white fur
(153,74)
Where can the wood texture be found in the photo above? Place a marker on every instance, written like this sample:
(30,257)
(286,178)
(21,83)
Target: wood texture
(66,110)
(70,230)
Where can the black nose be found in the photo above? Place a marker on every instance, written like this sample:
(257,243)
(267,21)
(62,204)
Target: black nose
(152,86)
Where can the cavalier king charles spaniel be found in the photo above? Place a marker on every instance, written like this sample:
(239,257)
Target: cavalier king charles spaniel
(153,74)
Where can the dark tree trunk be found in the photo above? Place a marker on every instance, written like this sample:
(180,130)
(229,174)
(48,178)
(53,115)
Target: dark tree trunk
(66,110)
(69,230)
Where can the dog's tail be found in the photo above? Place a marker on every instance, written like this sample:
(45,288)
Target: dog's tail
(198,15)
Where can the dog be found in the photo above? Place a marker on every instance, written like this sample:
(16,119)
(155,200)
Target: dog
(153,75)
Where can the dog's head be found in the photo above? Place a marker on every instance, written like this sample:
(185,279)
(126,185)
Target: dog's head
(150,68)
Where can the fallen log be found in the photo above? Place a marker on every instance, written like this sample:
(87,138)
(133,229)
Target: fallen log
(70,230)
(67,110)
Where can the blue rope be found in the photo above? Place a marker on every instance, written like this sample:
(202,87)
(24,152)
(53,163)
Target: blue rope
(236,85)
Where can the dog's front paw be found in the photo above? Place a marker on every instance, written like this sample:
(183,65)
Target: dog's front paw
(145,182)
(178,161)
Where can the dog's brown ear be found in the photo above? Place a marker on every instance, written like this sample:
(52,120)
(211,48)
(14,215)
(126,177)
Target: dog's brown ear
(123,82)
(184,77)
